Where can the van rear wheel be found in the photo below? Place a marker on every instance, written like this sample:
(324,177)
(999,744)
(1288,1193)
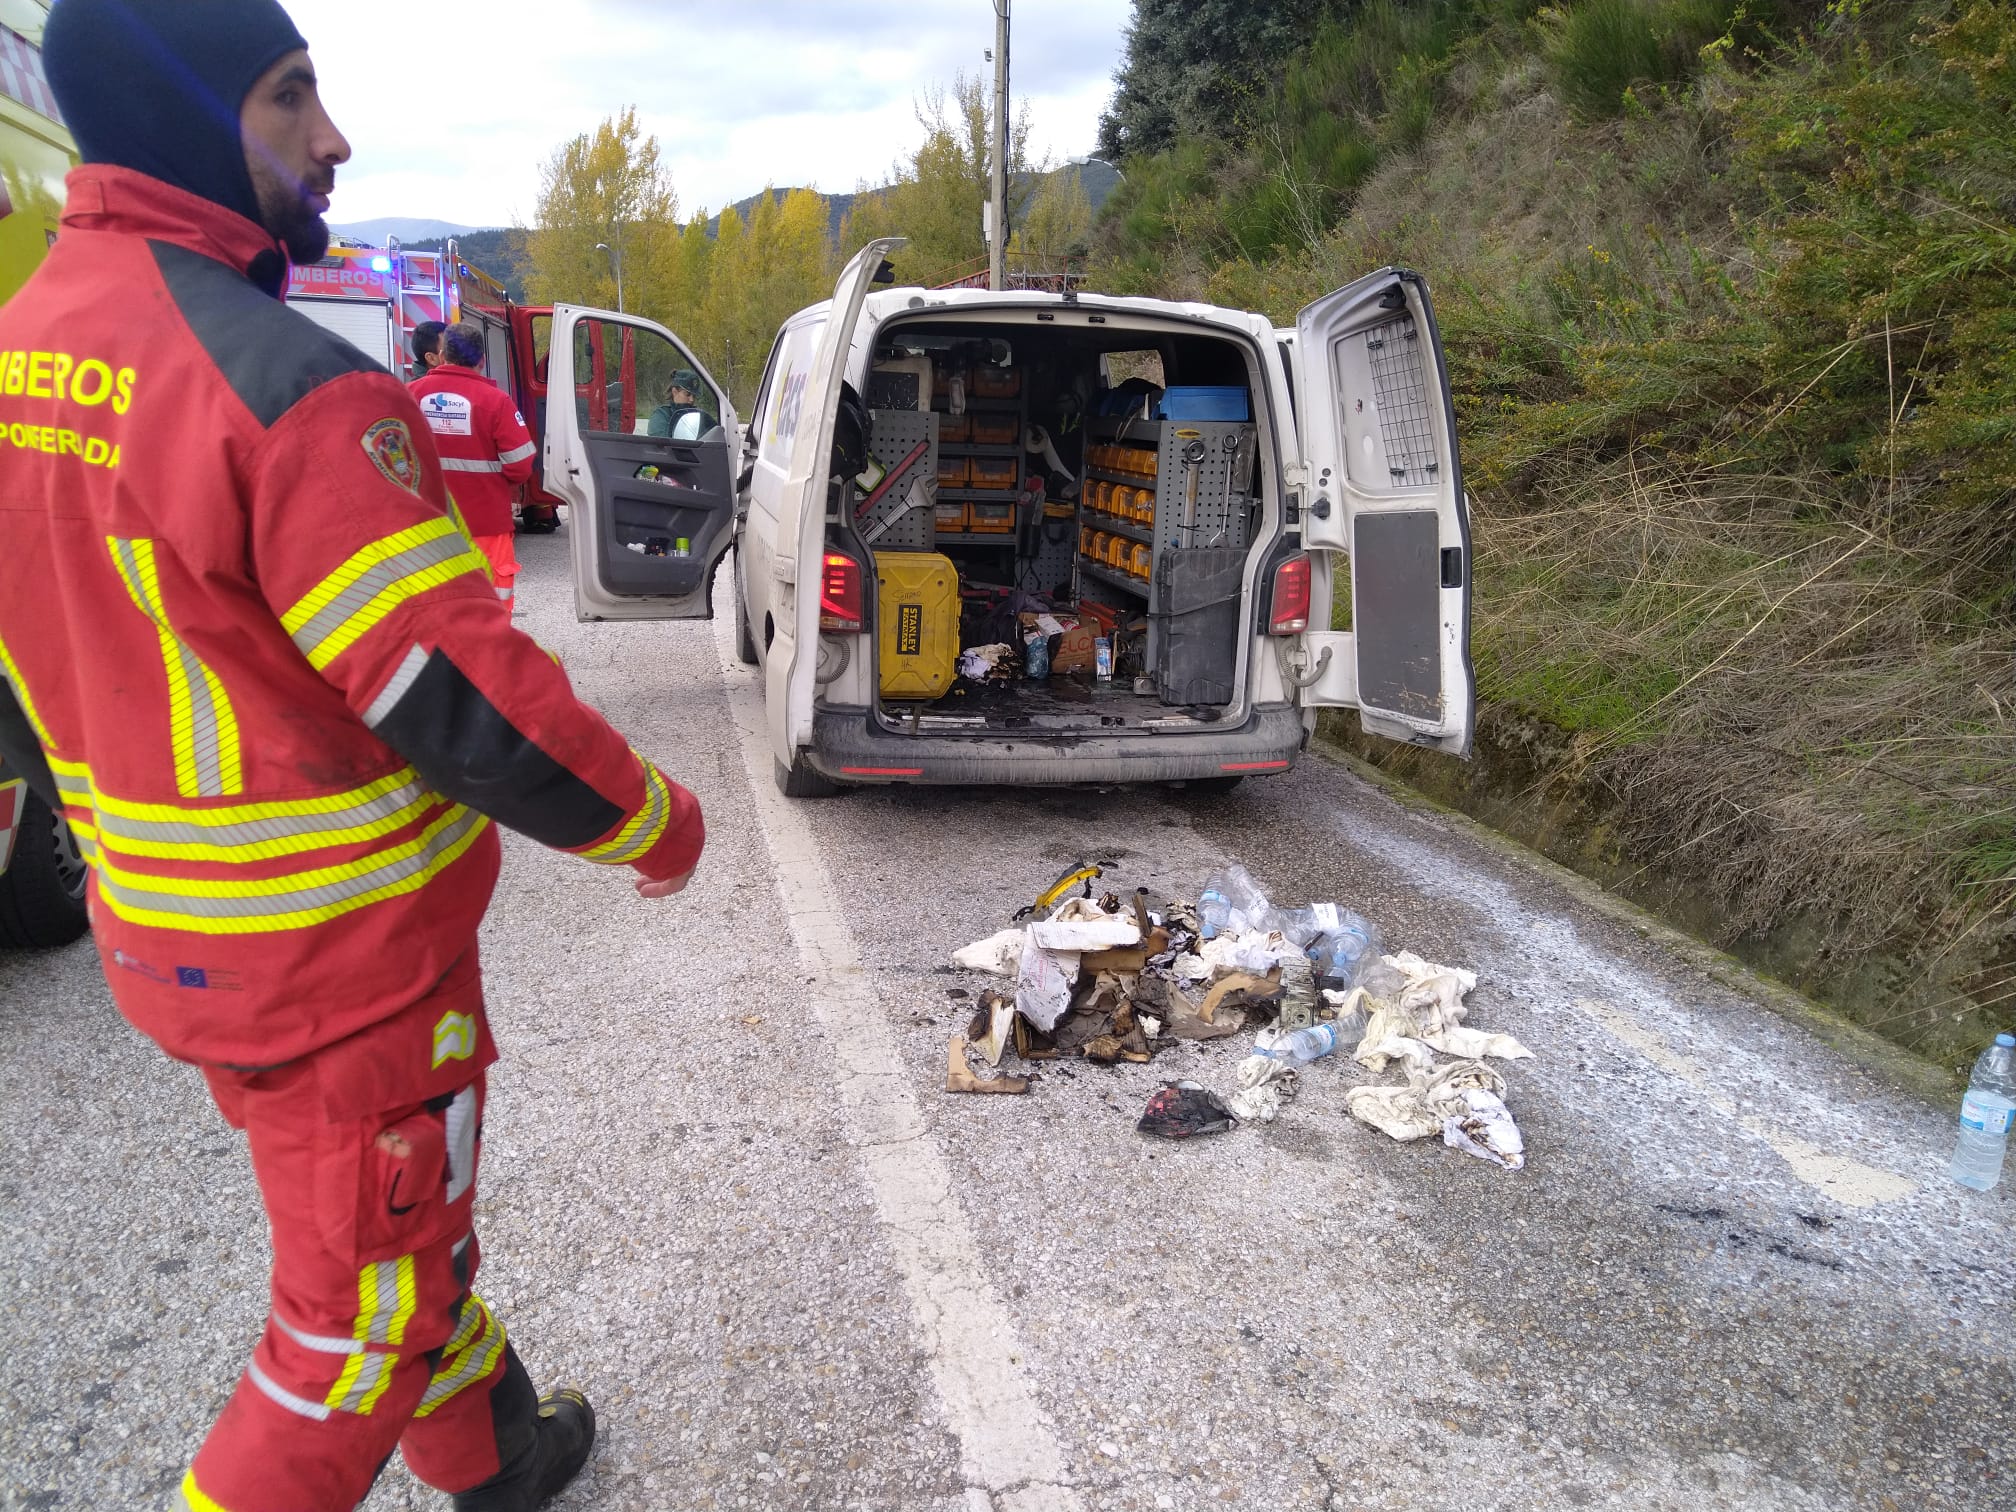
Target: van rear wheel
(799,780)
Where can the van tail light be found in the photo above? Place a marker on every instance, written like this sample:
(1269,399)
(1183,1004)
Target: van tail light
(840,593)
(1290,614)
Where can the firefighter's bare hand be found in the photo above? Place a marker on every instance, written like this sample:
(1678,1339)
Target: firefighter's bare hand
(664,889)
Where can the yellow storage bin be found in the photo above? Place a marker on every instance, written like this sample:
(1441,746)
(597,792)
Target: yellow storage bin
(1144,505)
(996,430)
(953,471)
(991,519)
(950,518)
(1138,561)
(916,623)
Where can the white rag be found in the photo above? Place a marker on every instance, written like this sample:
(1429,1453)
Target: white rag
(1485,1128)
(1256,952)
(1430,1099)
(1265,1083)
(997,955)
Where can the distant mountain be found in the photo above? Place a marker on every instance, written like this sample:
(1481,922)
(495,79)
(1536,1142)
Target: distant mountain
(1098,177)
(406,227)
(500,250)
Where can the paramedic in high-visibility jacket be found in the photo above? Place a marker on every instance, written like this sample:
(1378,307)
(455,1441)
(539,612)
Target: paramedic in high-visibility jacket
(248,646)
(485,449)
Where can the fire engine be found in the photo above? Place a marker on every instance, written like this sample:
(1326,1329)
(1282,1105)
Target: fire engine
(374,297)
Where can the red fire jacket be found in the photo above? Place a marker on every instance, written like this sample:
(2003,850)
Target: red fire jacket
(279,699)
(483,443)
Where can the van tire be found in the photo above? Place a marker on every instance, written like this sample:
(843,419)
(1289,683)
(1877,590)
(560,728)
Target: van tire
(42,890)
(745,642)
(799,780)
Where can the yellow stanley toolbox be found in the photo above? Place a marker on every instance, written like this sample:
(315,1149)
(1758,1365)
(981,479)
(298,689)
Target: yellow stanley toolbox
(916,622)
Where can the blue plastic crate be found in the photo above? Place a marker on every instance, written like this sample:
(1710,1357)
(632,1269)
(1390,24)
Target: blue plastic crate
(1205,402)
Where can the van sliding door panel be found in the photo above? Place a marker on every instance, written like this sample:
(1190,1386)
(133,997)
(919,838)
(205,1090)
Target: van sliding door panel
(1397,612)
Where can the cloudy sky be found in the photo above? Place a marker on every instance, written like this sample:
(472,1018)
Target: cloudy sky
(451,123)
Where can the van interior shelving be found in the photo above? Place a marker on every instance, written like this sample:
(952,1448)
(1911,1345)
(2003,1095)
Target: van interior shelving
(1068,506)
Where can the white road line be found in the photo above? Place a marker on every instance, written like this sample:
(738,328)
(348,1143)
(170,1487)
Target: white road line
(1010,1457)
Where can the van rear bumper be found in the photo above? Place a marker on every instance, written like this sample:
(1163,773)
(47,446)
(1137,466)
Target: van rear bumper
(849,747)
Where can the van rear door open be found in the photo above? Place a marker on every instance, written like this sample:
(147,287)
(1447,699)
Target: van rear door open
(651,480)
(1378,436)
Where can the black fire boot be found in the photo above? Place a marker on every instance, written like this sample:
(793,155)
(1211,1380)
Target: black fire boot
(559,1448)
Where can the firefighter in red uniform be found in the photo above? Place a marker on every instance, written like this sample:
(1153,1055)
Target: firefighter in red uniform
(485,449)
(249,647)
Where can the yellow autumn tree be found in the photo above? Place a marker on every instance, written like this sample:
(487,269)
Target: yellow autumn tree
(607,186)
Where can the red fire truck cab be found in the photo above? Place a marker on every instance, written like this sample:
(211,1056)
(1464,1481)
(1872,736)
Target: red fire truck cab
(374,297)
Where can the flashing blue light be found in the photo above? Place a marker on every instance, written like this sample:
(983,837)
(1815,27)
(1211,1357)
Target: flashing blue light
(381,265)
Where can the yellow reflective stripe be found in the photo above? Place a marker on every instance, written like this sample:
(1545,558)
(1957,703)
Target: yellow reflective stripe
(12,673)
(202,728)
(385,1301)
(365,1378)
(268,905)
(645,827)
(194,1499)
(263,831)
(345,605)
(464,1368)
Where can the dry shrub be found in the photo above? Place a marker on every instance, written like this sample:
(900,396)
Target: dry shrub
(1808,720)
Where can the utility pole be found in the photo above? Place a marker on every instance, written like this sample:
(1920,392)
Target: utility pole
(997,254)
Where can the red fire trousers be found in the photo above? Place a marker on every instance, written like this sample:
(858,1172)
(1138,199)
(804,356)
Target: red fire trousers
(366,1155)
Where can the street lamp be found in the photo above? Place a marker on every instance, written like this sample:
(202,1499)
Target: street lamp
(616,265)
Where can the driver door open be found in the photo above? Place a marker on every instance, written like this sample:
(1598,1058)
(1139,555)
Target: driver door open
(639,442)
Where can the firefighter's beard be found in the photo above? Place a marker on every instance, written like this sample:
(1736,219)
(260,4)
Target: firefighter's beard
(284,210)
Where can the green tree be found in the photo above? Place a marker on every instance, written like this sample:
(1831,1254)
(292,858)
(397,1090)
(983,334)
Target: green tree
(1057,226)
(605,186)
(1200,68)
(935,198)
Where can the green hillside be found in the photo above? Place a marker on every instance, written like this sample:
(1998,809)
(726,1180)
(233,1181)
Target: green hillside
(1726,286)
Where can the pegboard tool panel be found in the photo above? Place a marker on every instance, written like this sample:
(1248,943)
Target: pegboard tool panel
(1224,474)
(895,433)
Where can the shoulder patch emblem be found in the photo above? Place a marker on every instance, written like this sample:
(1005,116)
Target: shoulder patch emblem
(389,445)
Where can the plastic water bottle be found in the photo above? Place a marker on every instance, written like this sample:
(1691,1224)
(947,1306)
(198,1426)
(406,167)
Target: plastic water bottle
(1985,1115)
(1346,943)
(1305,1045)
(1214,910)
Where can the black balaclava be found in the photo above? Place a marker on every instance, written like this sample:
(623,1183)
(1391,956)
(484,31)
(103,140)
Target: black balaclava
(157,86)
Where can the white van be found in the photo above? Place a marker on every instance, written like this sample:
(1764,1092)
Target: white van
(1165,495)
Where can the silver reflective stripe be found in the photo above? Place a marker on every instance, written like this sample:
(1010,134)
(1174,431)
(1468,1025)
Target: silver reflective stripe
(267,905)
(437,551)
(456,464)
(369,1378)
(378,1328)
(461,1131)
(249,832)
(517,453)
(201,731)
(657,800)
(466,1327)
(402,680)
(475,1361)
(323,1342)
(283,1396)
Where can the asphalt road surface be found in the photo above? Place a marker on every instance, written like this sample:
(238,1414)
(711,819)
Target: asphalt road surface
(725,1193)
